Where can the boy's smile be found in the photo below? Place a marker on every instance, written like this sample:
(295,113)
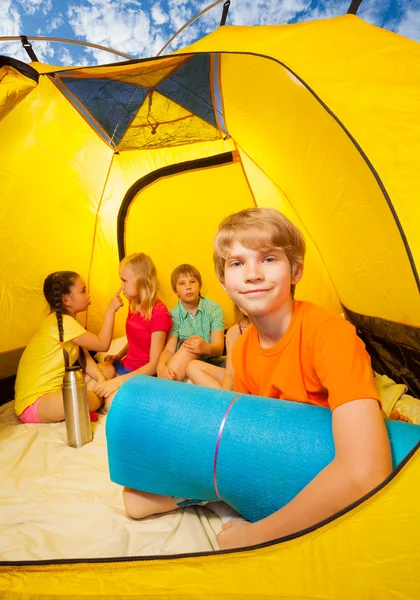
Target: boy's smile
(259,280)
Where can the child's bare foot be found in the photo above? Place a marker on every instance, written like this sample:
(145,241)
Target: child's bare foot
(395,415)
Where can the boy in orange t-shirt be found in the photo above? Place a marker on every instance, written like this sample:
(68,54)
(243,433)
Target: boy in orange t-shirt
(298,351)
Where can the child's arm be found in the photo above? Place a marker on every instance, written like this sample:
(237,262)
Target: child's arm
(232,335)
(167,354)
(196,344)
(120,355)
(102,341)
(362,461)
(112,385)
(92,368)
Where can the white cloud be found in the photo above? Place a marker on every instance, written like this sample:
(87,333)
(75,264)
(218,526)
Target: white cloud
(10,22)
(266,12)
(409,25)
(44,51)
(180,13)
(100,57)
(30,7)
(64,57)
(326,10)
(54,23)
(158,16)
(120,25)
(10,25)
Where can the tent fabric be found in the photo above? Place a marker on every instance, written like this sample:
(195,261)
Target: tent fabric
(63,505)
(369,551)
(167,105)
(322,120)
(329,125)
(16,83)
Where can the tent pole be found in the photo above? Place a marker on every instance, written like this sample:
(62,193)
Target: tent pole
(189,23)
(354,7)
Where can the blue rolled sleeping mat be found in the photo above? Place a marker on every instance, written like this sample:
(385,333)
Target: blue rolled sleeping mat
(177,439)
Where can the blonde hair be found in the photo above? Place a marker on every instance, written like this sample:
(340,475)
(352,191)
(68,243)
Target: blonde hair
(147,283)
(187,271)
(259,228)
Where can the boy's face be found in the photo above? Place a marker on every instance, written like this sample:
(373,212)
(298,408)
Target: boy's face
(188,290)
(258,281)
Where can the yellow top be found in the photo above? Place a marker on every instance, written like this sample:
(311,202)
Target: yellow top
(41,368)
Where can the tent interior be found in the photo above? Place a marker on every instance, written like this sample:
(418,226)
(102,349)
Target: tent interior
(319,120)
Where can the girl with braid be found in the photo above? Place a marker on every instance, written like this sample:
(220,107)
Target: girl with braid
(38,389)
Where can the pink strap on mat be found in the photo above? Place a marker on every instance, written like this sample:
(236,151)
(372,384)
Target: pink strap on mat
(219,437)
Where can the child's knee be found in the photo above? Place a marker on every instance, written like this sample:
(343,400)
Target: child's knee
(192,368)
(94,402)
(107,369)
(136,505)
(139,505)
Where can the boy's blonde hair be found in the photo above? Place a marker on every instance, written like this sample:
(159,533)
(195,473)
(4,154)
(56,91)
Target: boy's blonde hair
(185,270)
(147,283)
(259,228)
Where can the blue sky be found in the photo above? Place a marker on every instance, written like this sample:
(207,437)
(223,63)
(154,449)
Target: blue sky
(140,27)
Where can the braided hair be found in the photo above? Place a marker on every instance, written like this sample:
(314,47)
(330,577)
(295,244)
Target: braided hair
(57,285)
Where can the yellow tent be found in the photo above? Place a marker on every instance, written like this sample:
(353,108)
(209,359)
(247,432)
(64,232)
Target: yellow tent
(320,120)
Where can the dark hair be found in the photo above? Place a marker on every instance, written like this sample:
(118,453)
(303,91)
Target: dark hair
(56,285)
(185,269)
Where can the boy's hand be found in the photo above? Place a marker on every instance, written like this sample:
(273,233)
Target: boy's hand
(109,387)
(116,301)
(196,345)
(111,358)
(169,373)
(237,534)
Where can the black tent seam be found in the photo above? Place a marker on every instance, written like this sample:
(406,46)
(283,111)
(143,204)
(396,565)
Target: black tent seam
(190,165)
(329,111)
(20,66)
(193,555)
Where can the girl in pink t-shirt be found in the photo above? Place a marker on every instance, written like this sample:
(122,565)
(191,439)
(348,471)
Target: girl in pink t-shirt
(148,324)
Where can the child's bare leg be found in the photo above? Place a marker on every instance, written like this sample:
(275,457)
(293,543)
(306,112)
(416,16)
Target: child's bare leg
(107,369)
(139,505)
(51,406)
(179,361)
(202,373)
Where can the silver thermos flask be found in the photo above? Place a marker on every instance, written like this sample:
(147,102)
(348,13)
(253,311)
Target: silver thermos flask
(76,408)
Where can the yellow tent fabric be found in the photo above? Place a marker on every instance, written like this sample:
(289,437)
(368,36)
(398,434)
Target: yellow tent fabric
(370,551)
(320,120)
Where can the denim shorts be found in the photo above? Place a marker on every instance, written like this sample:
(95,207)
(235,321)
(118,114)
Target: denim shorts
(120,369)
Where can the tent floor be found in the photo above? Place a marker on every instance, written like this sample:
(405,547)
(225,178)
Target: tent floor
(57,502)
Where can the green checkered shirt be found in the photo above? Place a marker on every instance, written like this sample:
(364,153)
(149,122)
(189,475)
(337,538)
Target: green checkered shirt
(208,318)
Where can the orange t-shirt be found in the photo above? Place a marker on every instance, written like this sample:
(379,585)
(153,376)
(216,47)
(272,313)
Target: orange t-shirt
(319,360)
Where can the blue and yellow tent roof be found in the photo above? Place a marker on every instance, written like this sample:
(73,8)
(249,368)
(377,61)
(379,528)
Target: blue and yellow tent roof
(149,104)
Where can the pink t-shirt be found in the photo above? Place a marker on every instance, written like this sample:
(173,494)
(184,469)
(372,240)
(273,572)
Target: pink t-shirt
(139,334)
